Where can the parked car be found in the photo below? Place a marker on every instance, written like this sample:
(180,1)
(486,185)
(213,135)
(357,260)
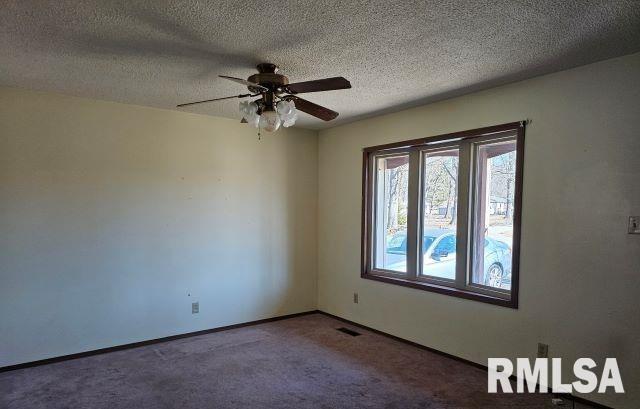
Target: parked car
(439,256)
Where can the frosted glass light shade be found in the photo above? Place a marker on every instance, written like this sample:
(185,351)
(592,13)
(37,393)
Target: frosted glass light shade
(284,108)
(249,111)
(269,121)
(284,113)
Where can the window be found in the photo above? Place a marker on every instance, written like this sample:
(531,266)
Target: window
(439,204)
(392,187)
(443,213)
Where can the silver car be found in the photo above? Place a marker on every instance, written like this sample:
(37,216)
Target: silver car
(439,257)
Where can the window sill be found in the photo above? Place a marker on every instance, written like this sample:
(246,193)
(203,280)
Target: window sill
(469,295)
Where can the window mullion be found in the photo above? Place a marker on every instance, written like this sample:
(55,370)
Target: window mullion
(413,222)
(464,216)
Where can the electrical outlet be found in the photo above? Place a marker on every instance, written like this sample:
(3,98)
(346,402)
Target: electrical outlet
(195,307)
(543,350)
(634,224)
(355,298)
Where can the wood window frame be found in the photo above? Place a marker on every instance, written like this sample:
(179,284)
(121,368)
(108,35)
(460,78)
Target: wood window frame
(512,130)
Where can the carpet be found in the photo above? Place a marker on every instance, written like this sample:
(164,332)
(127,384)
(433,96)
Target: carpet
(301,362)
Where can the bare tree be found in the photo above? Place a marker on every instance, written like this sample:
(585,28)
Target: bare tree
(503,173)
(398,192)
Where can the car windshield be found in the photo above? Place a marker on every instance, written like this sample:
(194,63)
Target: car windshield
(397,243)
(427,241)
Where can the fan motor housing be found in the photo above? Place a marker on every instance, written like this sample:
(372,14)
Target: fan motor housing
(268,77)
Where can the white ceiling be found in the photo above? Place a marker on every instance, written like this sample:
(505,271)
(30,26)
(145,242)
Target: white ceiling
(396,54)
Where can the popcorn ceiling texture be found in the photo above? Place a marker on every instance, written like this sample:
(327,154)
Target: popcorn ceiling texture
(161,53)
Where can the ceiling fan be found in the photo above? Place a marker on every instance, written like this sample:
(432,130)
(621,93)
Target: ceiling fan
(278,103)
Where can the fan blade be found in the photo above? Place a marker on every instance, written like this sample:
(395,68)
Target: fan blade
(245,82)
(215,99)
(312,109)
(326,84)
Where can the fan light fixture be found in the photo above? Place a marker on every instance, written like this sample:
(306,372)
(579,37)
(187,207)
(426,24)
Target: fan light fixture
(269,118)
(278,101)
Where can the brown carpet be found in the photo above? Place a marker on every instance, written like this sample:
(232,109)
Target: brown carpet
(302,362)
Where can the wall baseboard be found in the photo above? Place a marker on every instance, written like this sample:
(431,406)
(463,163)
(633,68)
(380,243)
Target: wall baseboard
(262,321)
(457,358)
(148,342)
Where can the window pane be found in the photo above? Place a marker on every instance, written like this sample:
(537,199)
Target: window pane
(440,206)
(495,175)
(391,204)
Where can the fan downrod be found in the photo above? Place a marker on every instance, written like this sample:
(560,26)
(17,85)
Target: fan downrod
(267,68)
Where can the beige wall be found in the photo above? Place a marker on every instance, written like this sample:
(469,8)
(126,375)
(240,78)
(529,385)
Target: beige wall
(114,218)
(112,214)
(580,270)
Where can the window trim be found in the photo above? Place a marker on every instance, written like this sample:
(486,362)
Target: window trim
(374,208)
(419,146)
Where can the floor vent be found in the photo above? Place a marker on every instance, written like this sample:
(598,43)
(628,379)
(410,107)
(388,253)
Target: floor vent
(349,331)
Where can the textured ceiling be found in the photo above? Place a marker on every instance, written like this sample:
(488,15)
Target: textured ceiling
(396,54)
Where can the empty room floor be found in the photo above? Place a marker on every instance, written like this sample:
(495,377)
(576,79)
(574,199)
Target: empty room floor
(301,362)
